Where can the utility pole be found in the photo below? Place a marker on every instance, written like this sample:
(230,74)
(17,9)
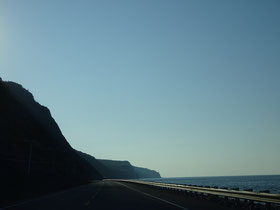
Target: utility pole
(29,156)
(29,159)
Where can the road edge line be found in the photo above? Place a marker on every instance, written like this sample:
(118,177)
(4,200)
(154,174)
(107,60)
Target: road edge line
(157,198)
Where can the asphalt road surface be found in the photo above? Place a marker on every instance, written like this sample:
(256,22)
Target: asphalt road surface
(108,195)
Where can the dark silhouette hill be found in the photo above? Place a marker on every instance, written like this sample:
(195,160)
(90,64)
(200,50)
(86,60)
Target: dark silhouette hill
(121,169)
(29,134)
(146,173)
(114,169)
(105,171)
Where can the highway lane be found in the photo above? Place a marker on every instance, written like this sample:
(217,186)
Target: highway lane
(99,195)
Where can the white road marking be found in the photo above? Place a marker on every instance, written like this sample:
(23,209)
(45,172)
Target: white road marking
(165,201)
(95,194)
(87,203)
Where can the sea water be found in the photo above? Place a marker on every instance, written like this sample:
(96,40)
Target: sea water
(256,183)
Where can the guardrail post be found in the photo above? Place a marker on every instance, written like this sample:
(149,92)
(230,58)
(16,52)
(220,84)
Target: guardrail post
(251,204)
(192,194)
(267,206)
(237,202)
(226,200)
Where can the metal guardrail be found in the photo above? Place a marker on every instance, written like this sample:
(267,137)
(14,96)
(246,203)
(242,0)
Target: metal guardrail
(266,198)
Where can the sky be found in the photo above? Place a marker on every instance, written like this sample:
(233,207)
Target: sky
(184,87)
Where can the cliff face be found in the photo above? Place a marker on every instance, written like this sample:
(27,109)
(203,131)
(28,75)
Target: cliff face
(28,132)
(119,169)
(146,173)
(35,158)
(105,171)
(41,113)
(111,169)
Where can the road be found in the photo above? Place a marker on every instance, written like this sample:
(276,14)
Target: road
(108,194)
(97,195)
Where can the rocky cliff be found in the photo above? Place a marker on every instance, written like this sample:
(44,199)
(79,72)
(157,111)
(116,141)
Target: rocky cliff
(119,169)
(34,155)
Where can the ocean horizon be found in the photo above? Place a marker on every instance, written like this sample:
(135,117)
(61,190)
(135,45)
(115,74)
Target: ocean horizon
(255,182)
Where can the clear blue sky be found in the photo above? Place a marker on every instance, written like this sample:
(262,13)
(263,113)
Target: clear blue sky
(188,88)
